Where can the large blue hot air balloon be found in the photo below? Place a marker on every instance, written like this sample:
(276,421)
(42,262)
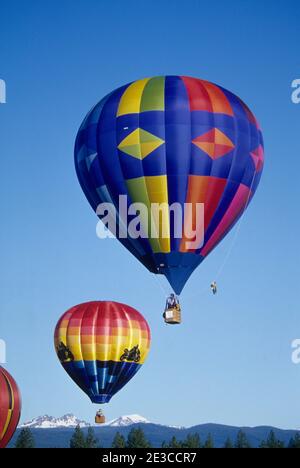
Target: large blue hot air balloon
(171,139)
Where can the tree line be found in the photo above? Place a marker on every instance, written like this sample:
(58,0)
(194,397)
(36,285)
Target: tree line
(137,439)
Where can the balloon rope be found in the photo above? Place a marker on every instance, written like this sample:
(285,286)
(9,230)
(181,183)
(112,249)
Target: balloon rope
(228,253)
(205,289)
(163,289)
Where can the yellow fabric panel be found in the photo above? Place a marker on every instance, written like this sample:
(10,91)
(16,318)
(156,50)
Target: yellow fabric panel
(130,101)
(100,339)
(73,342)
(61,336)
(104,347)
(148,190)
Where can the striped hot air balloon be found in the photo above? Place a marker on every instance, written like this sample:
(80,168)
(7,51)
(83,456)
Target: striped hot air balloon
(102,345)
(10,407)
(171,139)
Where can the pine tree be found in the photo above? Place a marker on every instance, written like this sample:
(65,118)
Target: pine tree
(291,443)
(242,441)
(192,441)
(295,441)
(174,443)
(272,442)
(78,440)
(119,441)
(91,441)
(136,439)
(209,443)
(228,443)
(25,439)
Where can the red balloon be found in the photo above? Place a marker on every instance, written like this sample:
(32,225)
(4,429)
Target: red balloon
(10,407)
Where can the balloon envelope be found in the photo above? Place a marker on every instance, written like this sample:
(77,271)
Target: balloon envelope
(171,139)
(10,407)
(102,345)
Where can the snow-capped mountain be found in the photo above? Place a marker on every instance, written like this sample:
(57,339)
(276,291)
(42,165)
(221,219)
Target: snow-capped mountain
(49,422)
(69,420)
(127,420)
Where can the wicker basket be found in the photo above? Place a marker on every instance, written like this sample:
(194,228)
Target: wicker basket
(173,316)
(99,419)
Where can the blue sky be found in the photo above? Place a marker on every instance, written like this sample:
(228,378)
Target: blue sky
(230,361)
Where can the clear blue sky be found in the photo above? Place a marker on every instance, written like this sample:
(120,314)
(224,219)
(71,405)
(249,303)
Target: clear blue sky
(230,361)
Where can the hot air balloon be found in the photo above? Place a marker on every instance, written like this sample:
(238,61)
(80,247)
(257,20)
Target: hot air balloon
(171,140)
(10,407)
(102,345)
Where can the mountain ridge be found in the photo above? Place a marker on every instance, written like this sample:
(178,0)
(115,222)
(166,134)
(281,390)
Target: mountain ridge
(70,421)
(155,433)
(50,422)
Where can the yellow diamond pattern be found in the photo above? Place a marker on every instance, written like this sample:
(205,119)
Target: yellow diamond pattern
(140,143)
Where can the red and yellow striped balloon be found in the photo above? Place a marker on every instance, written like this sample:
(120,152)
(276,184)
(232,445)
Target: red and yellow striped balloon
(101,345)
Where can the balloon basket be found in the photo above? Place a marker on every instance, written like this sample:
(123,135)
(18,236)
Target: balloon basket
(99,419)
(173,316)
